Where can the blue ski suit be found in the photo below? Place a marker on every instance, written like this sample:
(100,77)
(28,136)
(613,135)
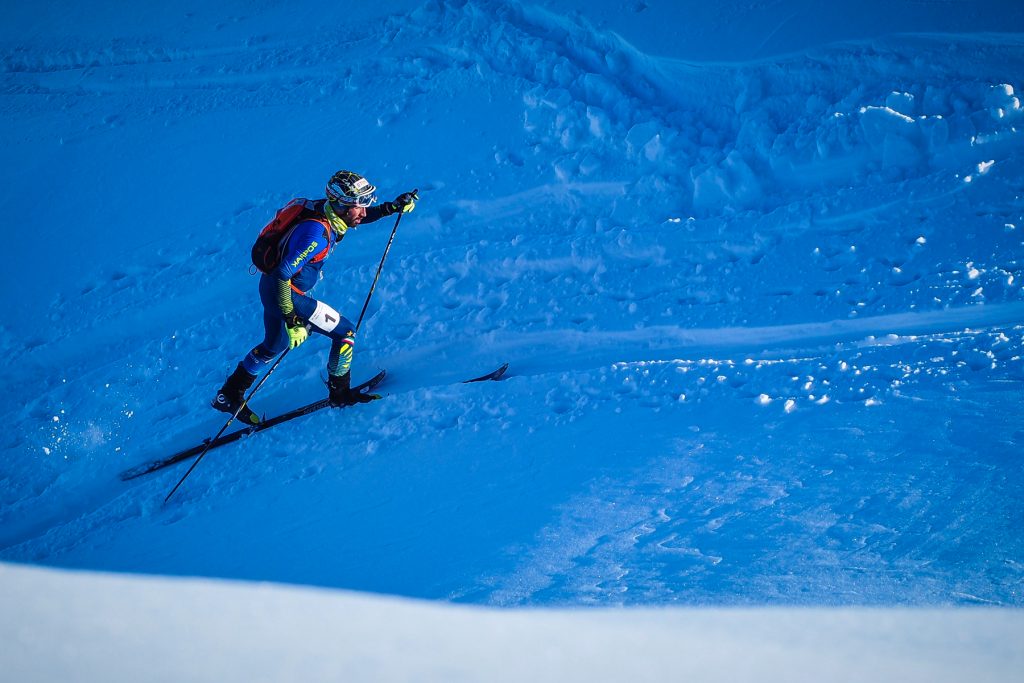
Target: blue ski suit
(286,289)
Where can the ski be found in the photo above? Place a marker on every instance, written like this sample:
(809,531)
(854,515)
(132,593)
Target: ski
(496,375)
(226,439)
(207,445)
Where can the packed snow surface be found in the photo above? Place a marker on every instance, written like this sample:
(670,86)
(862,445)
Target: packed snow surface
(756,268)
(116,628)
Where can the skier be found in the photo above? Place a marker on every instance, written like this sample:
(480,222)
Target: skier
(285,285)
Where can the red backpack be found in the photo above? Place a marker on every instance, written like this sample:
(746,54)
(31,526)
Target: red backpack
(269,248)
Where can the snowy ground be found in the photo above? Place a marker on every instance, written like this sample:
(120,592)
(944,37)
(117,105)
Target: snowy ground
(113,628)
(756,268)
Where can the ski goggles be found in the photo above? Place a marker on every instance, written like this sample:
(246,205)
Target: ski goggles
(364,201)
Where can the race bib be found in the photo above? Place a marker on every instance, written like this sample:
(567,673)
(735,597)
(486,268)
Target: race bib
(324,317)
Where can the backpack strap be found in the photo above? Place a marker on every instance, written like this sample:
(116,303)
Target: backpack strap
(328,237)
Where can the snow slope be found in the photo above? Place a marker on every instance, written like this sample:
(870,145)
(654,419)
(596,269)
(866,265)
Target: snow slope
(187,629)
(756,268)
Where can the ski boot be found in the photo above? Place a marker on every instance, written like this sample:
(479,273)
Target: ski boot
(232,394)
(342,394)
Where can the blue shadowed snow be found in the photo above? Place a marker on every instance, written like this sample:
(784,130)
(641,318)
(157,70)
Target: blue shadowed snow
(757,273)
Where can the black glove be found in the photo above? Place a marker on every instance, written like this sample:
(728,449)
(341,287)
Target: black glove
(406,201)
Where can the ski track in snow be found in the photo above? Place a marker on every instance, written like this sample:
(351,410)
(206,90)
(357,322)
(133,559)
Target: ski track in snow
(827,245)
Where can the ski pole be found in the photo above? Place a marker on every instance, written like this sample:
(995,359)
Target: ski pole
(228,423)
(381,266)
(280,358)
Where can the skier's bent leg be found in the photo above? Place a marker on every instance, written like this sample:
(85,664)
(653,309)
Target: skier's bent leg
(330,323)
(339,362)
(325,319)
(275,340)
(257,360)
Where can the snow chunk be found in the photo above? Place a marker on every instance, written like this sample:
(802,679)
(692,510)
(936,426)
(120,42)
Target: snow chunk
(901,102)
(790,405)
(641,136)
(600,125)
(985,165)
(898,138)
(764,399)
(731,183)
(886,114)
(1001,102)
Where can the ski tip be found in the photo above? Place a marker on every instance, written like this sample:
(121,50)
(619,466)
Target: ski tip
(373,381)
(139,470)
(491,376)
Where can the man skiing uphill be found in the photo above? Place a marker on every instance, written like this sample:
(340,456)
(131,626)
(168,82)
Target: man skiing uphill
(290,253)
